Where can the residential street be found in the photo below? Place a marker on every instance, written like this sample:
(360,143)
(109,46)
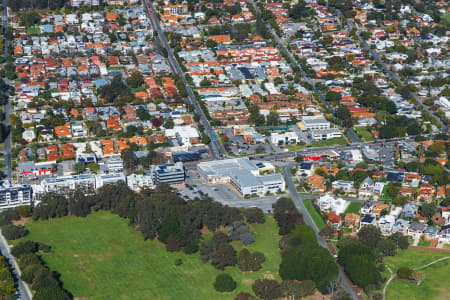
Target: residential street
(214,145)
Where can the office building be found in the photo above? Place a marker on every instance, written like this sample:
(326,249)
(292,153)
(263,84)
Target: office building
(313,123)
(171,173)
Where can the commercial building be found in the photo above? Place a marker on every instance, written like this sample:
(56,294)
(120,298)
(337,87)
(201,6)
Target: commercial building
(12,195)
(313,123)
(285,138)
(32,169)
(325,134)
(171,173)
(245,175)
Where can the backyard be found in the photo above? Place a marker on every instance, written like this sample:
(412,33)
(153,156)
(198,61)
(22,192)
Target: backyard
(353,207)
(436,284)
(101,257)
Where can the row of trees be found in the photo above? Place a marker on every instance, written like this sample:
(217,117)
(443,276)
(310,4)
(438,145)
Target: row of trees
(362,257)
(7,288)
(158,213)
(302,257)
(16,5)
(43,281)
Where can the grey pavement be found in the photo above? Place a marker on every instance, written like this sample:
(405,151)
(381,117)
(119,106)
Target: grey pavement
(24,290)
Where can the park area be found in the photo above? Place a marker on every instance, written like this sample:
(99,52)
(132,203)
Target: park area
(436,284)
(101,257)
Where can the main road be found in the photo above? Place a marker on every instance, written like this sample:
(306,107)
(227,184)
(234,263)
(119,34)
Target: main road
(7,106)
(215,146)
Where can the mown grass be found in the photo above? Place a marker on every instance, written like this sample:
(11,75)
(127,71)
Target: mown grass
(101,257)
(436,284)
(332,142)
(353,207)
(295,147)
(314,215)
(364,134)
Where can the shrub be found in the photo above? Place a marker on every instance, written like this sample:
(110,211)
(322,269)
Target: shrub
(24,211)
(12,232)
(44,248)
(191,247)
(404,273)
(28,259)
(29,272)
(224,283)
(173,244)
(254,215)
(24,247)
(244,296)
(7,216)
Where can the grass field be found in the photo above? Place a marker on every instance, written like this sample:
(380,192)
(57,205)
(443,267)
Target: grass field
(100,257)
(363,133)
(353,207)
(314,215)
(332,142)
(295,147)
(436,284)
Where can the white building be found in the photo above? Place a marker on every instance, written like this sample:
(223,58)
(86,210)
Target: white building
(325,134)
(245,175)
(64,184)
(386,224)
(288,137)
(328,202)
(171,173)
(346,185)
(12,195)
(185,135)
(136,182)
(110,178)
(313,123)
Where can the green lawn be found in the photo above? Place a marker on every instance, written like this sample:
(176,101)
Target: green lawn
(363,133)
(332,142)
(353,207)
(33,30)
(424,243)
(385,195)
(100,257)
(314,215)
(436,284)
(295,147)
